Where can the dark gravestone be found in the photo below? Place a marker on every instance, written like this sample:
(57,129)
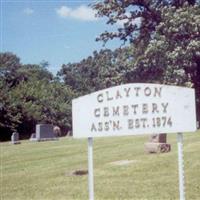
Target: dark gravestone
(45,132)
(157,144)
(15,138)
(158,138)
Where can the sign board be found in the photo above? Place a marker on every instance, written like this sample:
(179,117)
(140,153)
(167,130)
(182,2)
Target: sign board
(134,109)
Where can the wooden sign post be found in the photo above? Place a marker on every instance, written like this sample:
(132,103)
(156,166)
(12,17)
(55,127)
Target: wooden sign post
(134,109)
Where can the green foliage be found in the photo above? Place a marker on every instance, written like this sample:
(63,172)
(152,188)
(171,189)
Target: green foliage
(29,94)
(173,55)
(35,72)
(9,64)
(103,69)
(164,39)
(164,48)
(139,17)
(44,102)
(9,115)
(175,50)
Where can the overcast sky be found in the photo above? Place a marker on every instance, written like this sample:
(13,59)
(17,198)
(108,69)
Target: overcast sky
(55,31)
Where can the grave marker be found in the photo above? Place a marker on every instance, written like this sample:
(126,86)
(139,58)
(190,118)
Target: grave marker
(134,109)
(157,144)
(15,138)
(44,132)
(33,137)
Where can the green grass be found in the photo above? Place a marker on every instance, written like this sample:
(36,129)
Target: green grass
(42,170)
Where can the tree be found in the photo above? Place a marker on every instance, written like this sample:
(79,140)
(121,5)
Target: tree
(9,64)
(165,43)
(29,94)
(41,102)
(9,116)
(104,69)
(173,56)
(139,17)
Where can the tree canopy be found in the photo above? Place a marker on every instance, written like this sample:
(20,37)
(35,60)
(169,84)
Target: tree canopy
(29,94)
(174,53)
(105,68)
(164,38)
(139,17)
(163,47)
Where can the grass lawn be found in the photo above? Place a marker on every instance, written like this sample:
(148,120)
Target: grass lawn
(43,170)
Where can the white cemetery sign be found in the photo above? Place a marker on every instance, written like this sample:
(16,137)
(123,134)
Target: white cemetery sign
(134,109)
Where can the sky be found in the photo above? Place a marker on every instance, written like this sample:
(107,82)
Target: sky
(59,32)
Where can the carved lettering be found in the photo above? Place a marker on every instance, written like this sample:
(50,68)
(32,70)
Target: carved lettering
(135,107)
(100,98)
(144,122)
(125,110)
(116,111)
(97,112)
(118,95)
(106,111)
(100,126)
(158,91)
(164,105)
(137,89)
(93,128)
(137,123)
(116,125)
(108,97)
(154,108)
(127,91)
(144,108)
(130,124)
(147,91)
(106,126)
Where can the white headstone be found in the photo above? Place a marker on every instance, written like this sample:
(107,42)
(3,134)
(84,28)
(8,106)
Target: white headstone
(15,138)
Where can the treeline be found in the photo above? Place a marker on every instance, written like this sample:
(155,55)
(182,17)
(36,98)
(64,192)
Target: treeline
(30,94)
(163,48)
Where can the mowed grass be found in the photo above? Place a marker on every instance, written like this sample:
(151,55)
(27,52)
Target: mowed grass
(43,170)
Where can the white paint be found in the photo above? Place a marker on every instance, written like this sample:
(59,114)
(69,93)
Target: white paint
(134,109)
(90,169)
(181,166)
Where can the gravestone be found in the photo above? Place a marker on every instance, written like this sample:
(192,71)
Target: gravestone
(45,132)
(57,131)
(69,133)
(157,144)
(33,137)
(15,138)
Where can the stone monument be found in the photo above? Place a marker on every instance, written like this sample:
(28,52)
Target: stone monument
(57,131)
(15,138)
(45,132)
(157,144)
(33,137)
